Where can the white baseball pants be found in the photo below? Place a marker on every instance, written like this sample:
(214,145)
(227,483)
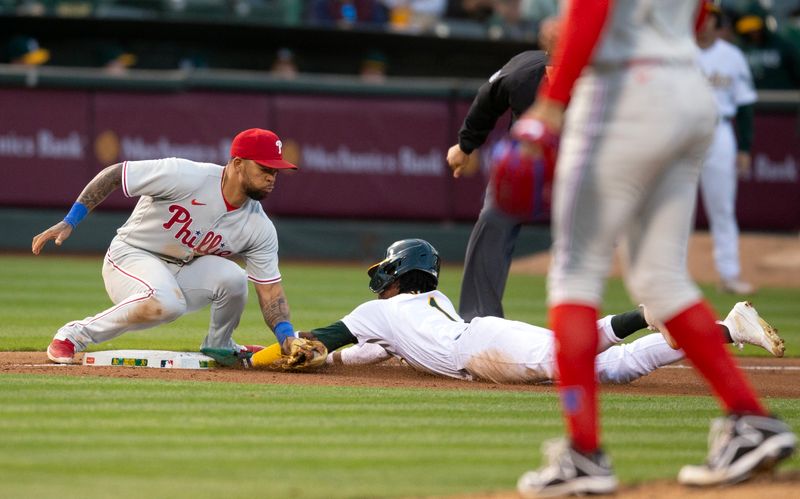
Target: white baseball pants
(507,351)
(718,188)
(628,169)
(147,291)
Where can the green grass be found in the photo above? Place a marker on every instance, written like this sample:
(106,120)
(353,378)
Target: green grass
(96,437)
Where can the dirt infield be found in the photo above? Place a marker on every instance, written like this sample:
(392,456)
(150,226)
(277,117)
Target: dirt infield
(771,378)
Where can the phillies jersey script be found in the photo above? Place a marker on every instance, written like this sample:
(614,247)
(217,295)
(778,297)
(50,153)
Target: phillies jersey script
(182,215)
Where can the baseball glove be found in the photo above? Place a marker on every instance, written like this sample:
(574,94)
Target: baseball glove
(304,355)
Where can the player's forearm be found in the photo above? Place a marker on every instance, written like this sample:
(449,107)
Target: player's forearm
(103,184)
(275,309)
(360,354)
(334,336)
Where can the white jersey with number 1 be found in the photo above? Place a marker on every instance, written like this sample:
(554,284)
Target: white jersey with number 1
(425,330)
(419,328)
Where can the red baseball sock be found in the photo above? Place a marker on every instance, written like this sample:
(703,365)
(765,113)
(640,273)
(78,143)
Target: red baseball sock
(575,328)
(697,334)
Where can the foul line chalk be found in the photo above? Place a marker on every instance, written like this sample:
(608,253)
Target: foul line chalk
(747,368)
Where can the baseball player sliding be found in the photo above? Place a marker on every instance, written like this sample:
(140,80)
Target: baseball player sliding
(171,256)
(415,322)
(729,75)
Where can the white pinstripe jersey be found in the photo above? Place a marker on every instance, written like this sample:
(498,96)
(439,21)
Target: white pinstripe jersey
(182,215)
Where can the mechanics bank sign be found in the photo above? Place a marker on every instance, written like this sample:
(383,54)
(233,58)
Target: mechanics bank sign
(768,170)
(343,159)
(41,144)
(110,147)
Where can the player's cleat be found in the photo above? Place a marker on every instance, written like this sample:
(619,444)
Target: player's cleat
(746,326)
(253,348)
(568,472)
(740,446)
(61,352)
(658,326)
(736,287)
(228,357)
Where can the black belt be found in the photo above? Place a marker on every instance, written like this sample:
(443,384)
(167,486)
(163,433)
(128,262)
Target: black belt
(174,261)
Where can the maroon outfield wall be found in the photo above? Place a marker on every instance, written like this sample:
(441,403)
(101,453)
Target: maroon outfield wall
(360,157)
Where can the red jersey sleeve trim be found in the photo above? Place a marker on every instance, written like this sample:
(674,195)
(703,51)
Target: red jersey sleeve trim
(125,179)
(264,281)
(580,32)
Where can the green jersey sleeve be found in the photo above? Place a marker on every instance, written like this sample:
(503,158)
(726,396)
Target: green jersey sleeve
(334,336)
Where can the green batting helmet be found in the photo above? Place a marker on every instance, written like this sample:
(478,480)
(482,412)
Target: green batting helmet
(402,257)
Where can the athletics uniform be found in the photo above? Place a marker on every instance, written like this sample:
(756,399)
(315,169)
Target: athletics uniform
(170,257)
(726,69)
(427,333)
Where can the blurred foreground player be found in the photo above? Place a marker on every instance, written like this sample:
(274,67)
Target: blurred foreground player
(628,169)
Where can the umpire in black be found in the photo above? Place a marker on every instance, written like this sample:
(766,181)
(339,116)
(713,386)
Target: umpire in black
(491,243)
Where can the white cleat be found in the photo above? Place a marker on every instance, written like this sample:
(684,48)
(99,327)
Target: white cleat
(746,326)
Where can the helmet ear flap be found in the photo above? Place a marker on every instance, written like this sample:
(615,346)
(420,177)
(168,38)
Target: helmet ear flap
(402,257)
(384,274)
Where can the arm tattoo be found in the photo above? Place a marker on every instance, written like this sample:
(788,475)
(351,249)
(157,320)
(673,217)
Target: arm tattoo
(103,184)
(275,311)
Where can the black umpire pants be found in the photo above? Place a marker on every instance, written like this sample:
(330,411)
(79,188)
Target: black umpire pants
(487,261)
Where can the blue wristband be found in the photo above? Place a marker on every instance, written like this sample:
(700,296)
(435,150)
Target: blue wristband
(283,330)
(76,214)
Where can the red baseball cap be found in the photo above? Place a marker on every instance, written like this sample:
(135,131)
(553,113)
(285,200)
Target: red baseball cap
(261,146)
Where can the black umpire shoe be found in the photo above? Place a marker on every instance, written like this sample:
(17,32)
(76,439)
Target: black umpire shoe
(568,472)
(738,447)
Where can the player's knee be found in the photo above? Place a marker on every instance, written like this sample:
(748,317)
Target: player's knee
(161,307)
